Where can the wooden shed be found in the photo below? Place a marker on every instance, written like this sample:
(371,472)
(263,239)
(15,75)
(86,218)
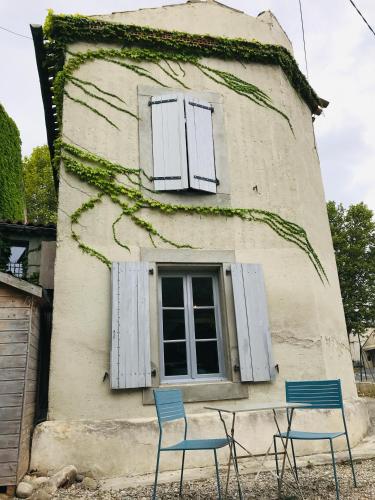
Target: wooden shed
(20,304)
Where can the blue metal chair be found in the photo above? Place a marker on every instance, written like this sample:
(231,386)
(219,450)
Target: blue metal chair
(318,394)
(169,406)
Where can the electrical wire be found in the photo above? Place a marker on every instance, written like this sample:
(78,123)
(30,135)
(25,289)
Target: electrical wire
(303,36)
(360,13)
(14,33)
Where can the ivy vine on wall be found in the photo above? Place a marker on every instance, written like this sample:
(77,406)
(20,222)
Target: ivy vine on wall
(168,53)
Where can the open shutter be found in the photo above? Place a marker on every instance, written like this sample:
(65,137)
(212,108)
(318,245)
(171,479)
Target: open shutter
(130,349)
(169,142)
(253,334)
(202,174)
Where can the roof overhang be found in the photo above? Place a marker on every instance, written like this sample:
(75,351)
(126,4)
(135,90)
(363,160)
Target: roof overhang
(21,285)
(45,87)
(8,227)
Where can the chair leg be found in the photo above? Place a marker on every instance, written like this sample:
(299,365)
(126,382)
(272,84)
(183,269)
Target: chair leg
(294,459)
(351,460)
(182,472)
(334,470)
(156,476)
(276,461)
(217,477)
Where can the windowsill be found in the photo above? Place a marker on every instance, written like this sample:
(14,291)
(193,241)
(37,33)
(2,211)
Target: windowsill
(191,381)
(202,392)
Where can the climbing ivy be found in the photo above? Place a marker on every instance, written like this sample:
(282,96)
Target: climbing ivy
(101,175)
(66,29)
(122,56)
(167,51)
(12,201)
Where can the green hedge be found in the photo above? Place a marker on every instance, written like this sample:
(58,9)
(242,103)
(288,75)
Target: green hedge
(11,195)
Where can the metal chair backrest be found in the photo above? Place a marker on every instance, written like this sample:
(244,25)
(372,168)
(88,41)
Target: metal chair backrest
(317,394)
(169,405)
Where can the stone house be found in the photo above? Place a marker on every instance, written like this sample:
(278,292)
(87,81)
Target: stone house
(194,248)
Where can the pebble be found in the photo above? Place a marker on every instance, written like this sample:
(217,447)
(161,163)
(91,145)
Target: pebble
(41,495)
(39,481)
(89,484)
(24,489)
(316,482)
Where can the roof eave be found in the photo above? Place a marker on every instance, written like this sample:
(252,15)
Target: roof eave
(45,88)
(22,285)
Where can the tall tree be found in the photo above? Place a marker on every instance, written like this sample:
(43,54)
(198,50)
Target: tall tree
(11,189)
(353,235)
(41,202)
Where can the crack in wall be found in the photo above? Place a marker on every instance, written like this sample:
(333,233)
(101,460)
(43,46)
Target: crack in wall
(296,341)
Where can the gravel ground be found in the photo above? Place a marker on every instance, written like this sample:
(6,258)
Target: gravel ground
(316,482)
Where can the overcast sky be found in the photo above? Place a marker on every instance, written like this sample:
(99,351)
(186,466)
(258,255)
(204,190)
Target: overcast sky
(341,64)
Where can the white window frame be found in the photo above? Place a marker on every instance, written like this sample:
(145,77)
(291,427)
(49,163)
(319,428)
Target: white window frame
(192,375)
(190,196)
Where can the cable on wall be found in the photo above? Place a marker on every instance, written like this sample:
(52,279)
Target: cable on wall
(303,36)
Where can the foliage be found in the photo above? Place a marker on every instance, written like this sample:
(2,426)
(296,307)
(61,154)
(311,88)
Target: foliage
(41,202)
(11,189)
(353,235)
(119,57)
(162,49)
(101,174)
(65,29)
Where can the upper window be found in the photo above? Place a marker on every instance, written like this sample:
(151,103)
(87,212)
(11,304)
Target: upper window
(191,345)
(183,143)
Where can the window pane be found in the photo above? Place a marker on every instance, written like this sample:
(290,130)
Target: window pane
(17,260)
(173,324)
(204,322)
(175,358)
(172,292)
(207,358)
(202,292)
(17,254)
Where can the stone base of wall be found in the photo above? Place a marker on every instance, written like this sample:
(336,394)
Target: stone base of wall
(113,448)
(366,389)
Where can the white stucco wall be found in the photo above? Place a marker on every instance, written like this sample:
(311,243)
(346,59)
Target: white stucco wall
(306,317)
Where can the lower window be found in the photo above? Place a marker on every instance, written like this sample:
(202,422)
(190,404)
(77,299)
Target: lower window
(191,343)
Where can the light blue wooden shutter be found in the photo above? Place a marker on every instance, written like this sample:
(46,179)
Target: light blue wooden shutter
(202,174)
(169,143)
(130,349)
(253,334)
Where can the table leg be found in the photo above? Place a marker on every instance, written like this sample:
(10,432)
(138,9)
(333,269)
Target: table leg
(232,454)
